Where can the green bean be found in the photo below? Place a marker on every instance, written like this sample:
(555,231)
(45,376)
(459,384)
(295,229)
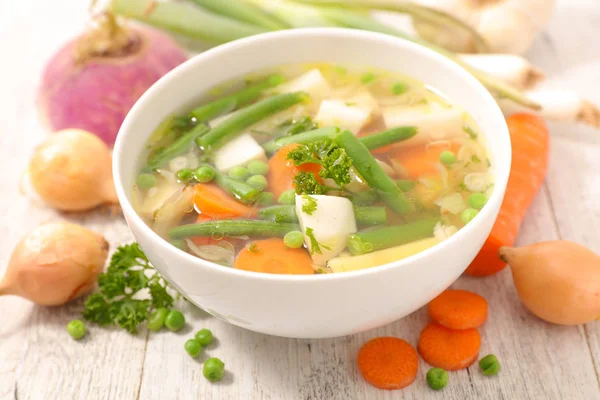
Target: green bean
(390,236)
(245,117)
(380,139)
(373,174)
(370,215)
(405,185)
(243,11)
(364,198)
(238,189)
(307,137)
(279,213)
(233,227)
(235,100)
(177,148)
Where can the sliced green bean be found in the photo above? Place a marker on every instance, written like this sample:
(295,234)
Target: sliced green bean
(373,174)
(405,185)
(370,215)
(308,137)
(279,213)
(177,148)
(243,11)
(231,227)
(390,236)
(380,139)
(364,198)
(240,190)
(235,100)
(245,117)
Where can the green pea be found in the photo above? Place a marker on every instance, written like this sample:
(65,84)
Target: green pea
(287,198)
(204,337)
(293,239)
(146,181)
(239,173)
(185,175)
(174,320)
(447,157)
(437,378)
(467,215)
(399,88)
(213,369)
(265,199)
(258,181)
(193,347)
(76,328)
(204,174)
(367,78)
(157,319)
(489,365)
(477,200)
(258,167)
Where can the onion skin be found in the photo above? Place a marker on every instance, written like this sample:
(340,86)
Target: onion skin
(559,281)
(55,263)
(95,95)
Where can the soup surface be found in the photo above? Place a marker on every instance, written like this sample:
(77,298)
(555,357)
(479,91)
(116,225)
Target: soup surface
(314,169)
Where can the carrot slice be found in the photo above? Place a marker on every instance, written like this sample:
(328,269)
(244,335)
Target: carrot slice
(459,309)
(421,160)
(449,349)
(388,363)
(282,171)
(271,256)
(530,149)
(215,203)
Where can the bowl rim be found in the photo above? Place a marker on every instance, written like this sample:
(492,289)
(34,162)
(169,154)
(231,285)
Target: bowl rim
(501,172)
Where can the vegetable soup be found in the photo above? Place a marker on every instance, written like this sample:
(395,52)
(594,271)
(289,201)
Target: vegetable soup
(312,169)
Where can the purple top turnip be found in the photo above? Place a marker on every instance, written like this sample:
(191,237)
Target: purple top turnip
(93,81)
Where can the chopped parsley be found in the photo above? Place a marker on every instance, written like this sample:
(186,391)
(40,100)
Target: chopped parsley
(279,217)
(367,78)
(470,132)
(294,127)
(475,159)
(127,275)
(399,88)
(463,186)
(253,248)
(350,104)
(315,246)
(310,204)
(306,183)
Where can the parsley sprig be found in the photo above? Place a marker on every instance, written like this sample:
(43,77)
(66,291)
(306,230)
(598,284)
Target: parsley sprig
(119,301)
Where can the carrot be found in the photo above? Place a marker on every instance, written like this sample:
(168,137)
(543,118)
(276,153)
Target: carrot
(282,171)
(530,148)
(215,203)
(271,256)
(449,349)
(459,309)
(388,363)
(421,160)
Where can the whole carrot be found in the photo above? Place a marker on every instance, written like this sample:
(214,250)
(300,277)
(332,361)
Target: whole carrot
(530,148)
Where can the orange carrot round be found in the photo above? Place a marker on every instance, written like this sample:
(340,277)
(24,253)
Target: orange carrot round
(459,309)
(530,149)
(271,256)
(421,160)
(388,363)
(283,171)
(215,203)
(449,349)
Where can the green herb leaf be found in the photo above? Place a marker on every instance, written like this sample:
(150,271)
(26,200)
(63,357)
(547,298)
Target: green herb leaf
(306,183)
(336,166)
(475,159)
(295,127)
(302,155)
(253,248)
(470,132)
(315,246)
(310,204)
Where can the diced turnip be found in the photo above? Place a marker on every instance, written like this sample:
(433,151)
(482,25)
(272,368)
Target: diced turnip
(432,123)
(365,101)
(313,82)
(238,151)
(344,115)
(158,196)
(331,220)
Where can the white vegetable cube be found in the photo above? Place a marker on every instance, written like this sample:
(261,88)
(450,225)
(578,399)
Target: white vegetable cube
(331,220)
(345,115)
(313,82)
(237,152)
(432,123)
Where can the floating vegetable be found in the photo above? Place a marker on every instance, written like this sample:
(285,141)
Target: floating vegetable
(94,80)
(55,263)
(559,281)
(71,171)
(530,142)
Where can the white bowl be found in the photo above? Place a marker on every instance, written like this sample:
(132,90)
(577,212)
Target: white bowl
(321,305)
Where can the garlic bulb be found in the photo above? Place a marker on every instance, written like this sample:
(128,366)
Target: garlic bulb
(508,26)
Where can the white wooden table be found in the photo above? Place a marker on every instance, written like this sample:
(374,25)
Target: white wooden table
(539,361)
